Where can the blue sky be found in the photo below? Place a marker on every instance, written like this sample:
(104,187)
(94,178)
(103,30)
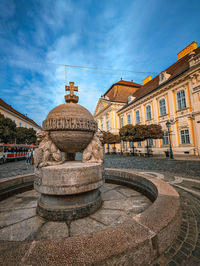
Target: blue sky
(37,36)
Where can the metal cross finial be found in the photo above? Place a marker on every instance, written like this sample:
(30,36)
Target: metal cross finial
(71,88)
(71,97)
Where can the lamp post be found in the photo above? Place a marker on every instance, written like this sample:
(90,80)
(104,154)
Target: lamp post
(168,125)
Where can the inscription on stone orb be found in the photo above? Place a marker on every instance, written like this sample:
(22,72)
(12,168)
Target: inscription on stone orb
(69,123)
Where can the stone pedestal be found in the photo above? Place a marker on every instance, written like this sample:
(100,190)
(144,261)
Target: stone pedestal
(69,191)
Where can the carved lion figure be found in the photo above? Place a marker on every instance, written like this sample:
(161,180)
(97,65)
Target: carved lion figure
(47,153)
(94,151)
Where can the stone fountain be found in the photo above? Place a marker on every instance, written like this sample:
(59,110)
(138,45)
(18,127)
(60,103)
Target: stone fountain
(69,189)
(128,229)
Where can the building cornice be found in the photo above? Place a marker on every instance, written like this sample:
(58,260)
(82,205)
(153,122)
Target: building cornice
(161,88)
(19,117)
(110,104)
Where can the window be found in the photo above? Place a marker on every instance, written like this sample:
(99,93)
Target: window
(25,125)
(181,100)
(130,98)
(165,138)
(148,112)
(129,119)
(150,142)
(20,124)
(101,124)
(107,122)
(185,136)
(137,116)
(122,121)
(139,144)
(162,107)
(107,125)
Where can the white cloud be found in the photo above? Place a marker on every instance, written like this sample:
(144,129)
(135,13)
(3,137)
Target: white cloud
(61,37)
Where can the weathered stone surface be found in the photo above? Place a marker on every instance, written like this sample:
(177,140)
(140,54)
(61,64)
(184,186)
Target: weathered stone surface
(15,216)
(108,217)
(123,204)
(112,195)
(52,230)
(22,230)
(71,127)
(128,192)
(135,241)
(69,178)
(64,212)
(85,226)
(48,230)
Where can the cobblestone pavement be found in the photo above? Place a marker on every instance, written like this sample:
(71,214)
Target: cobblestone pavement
(183,174)
(18,219)
(15,168)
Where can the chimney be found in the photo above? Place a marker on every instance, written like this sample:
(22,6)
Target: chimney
(187,50)
(147,79)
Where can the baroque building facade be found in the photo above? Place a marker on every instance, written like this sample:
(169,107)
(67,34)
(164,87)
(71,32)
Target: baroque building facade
(20,119)
(172,96)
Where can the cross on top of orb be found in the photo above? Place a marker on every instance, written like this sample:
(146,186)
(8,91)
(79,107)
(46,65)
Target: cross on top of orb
(71,97)
(71,88)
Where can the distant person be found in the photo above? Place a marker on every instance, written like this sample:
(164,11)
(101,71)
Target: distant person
(32,156)
(28,157)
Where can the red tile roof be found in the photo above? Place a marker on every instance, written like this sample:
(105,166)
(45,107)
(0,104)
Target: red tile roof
(129,83)
(174,70)
(9,108)
(120,90)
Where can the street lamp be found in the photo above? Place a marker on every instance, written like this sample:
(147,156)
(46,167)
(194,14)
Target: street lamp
(168,124)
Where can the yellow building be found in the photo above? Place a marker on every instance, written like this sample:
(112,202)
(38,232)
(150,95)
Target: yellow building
(174,96)
(112,101)
(19,119)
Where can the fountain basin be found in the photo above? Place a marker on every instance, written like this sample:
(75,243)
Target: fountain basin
(137,241)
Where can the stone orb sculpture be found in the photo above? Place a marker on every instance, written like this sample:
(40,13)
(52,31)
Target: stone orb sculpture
(71,127)
(69,189)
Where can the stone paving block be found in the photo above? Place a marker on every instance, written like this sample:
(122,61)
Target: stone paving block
(22,230)
(112,195)
(85,226)
(128,192)
(108,217)
(15,216)
(111,186)
(124,204)
(52,230)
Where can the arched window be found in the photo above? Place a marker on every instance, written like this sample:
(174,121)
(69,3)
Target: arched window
(166,138)
(137,116)
(148,112)
(162,106)
(107,122)
(181,100)
(185,136)
(102,124)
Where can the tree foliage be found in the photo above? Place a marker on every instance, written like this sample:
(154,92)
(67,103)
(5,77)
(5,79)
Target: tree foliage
(141,132)
(7,130)
(109,138)
(25,135)
(9,133)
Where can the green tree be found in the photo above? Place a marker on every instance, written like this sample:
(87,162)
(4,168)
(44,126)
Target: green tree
(7,130)
(109,138)
(128,133)
(141,133)
(25,135)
